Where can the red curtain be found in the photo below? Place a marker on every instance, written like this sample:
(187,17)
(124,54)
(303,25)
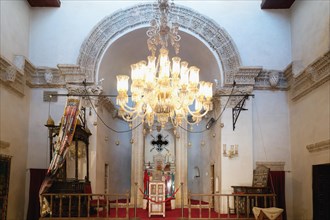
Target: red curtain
(36,178)
(277,184)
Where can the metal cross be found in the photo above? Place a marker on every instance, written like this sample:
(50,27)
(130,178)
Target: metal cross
(159,144)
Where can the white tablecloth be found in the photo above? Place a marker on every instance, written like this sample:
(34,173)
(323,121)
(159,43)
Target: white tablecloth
(271,213)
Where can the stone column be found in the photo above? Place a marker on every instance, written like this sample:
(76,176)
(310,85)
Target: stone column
(137,161)
(181,165)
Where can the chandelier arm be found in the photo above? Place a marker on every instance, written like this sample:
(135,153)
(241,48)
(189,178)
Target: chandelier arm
(191,123)
(164,87)
(173,122)
(99,117)
(128,109)
(130,120)
(200,115)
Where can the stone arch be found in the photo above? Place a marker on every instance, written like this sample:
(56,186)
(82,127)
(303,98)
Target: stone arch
(119,22)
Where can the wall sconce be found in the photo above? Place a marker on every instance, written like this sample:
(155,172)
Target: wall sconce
(232,152)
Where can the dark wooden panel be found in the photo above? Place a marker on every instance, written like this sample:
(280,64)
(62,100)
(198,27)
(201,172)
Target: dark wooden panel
(44,3)
(276,4)
(321,191)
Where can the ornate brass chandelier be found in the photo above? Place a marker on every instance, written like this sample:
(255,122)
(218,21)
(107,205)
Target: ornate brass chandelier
(160,89)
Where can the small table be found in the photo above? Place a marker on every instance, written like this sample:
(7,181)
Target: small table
(272,213)
(243,206)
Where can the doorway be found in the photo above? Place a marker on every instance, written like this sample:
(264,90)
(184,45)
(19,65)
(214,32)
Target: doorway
(4,184)
(321,191)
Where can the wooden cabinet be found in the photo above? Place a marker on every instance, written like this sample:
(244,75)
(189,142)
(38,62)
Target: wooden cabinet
(157,198)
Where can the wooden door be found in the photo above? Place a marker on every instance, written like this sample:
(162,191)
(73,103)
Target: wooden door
(321,191)
(4,184)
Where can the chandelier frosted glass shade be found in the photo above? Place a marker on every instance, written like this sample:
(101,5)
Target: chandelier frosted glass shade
(163,90)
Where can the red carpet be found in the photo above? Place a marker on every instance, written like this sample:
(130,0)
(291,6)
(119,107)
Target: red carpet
(170,214)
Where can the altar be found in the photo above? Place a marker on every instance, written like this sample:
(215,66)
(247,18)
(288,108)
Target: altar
(159,172)
(155,156)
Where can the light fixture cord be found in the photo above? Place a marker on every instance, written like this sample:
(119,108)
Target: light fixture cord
(103,122)
(260,130)
(197,132)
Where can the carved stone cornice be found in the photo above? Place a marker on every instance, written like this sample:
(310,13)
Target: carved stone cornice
(47,77)
(71,73)
(11,77)
(273,166)
(4,144)
(320,146)
(234,100)
(106,103)
(246,75)
(140,15)
(94,96)
(288,75)
(75,89)
(271,80)
(311,78)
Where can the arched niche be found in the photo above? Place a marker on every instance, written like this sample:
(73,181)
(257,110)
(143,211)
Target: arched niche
(123,21)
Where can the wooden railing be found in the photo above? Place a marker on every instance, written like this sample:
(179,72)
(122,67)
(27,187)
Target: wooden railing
(106,206)
(227,206)
(83,206)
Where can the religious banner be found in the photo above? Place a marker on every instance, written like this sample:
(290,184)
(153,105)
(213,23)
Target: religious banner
(66,133)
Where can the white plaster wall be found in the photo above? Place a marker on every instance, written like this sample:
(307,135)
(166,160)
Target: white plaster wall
(57,33)
(309,122)
(118,156)
(271,134)
(15,24)
(14,113)
(310,27)
(194,160)
(14,119)
(200,156)
(38,155)
(237,171)
(309,116)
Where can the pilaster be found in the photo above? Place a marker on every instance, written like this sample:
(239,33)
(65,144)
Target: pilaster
(181,163)
(137,162)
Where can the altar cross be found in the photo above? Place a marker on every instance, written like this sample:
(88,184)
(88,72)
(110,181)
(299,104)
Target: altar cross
(159,144)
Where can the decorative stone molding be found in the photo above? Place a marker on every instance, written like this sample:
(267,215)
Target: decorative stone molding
(11,77)
(140,15)
(39,77)
(247,75)
(311,78)
(107,104)
(94,91)
(71,73)
(75,89)
(320,146)
(4,144)
(234,100)
(271,80)
(273,166)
